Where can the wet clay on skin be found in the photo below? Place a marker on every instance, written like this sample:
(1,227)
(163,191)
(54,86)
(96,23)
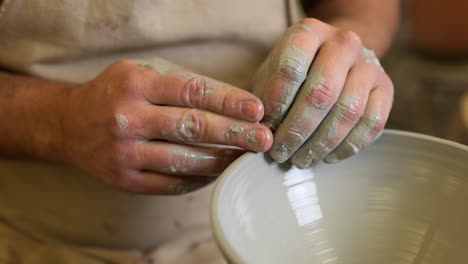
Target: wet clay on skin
(320,144)
(185,160)
(252,138)
(236,128)
(164,67)
(370,57)
(122,123)
(292,62)
(160,66)
(184,132)
(358,139)
(299,114)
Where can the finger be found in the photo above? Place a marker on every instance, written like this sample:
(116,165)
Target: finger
(342,118)
(371,124)
(286,68)
(176,159)
(318,94)
(198,126)
(181,87)
(149,182)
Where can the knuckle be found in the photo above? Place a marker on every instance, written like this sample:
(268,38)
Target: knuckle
(184,163)
(375,123)
(123,125)
(348,38)
(194,91)
(295,138)
(321,97)
(191,126)
(276,110)
(292,68)
(132,155)
(133,76)
(120,152)
(119,176)
(122,76)
(387,83)
(119,124)
(122,156)
(351,111)
(373,69)
(379,126)
(129,80)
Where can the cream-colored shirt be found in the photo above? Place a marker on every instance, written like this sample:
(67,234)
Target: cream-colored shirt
(74,41)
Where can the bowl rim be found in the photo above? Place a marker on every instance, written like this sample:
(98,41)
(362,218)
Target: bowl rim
(218,234)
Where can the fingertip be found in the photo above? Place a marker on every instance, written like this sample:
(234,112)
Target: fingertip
(279,152)
(301,162)
(260,139)
(268,139)
(253,110)
(331,158)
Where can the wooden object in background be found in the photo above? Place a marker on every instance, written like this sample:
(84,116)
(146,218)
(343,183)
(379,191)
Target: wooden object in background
(440,27)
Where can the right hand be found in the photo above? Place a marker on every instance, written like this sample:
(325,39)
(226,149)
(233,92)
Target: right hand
(130,127)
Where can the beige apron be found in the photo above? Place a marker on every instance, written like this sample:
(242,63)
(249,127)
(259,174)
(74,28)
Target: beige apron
(57,212)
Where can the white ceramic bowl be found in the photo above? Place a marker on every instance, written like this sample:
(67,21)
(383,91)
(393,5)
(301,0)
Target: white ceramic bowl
(403,200)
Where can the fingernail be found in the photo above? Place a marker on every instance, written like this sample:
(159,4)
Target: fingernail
(251,109)
(303,161)
(331,158)
(280,152)
(258,138)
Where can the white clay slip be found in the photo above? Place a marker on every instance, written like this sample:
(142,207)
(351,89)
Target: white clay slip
(122,123)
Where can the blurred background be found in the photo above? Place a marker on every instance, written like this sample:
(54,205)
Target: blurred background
(429,67)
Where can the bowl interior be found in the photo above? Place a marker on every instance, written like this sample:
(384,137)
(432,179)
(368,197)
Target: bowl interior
(403,200)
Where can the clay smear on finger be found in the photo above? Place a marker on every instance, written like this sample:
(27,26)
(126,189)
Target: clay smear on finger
(358,139)
(370,57)
(252,138)
(322,142)
(185,160)
(293,63)
(298,119)
(164,68)
(234,130)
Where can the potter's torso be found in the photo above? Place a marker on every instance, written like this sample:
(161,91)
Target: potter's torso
(73,41)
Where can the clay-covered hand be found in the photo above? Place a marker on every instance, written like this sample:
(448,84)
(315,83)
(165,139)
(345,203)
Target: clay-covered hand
(135,125)
(326,95)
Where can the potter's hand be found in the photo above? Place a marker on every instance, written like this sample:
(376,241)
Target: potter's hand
(129,125)
(325,93)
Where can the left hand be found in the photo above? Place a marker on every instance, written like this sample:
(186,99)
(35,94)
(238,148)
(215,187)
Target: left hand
(326,94)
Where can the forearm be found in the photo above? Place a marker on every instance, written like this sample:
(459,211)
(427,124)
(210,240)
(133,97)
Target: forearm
(31,117)
(376,22)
